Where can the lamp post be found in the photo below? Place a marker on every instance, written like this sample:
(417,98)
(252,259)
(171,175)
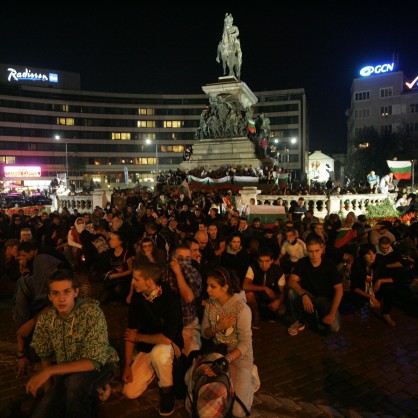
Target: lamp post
(57,137)
(148,142)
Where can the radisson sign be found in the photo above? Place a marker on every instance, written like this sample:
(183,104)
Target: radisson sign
(28,75)
(22,171)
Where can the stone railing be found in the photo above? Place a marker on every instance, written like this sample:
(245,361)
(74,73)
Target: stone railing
(342,204)
(323,205)
(85,202)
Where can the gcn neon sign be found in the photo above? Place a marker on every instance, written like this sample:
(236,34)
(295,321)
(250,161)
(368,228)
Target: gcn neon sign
(369,70)
(27,74)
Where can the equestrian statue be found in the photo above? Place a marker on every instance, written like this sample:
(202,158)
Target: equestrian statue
(229,48)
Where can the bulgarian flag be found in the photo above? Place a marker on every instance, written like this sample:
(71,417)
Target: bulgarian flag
(185,189)
(402,170)
(281,180)
(251,126)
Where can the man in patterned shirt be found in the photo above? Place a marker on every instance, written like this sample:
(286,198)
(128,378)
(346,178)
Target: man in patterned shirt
(186,281)
(72,341)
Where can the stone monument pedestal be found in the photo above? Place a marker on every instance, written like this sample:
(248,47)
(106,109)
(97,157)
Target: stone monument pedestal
(223,126)
(216,153)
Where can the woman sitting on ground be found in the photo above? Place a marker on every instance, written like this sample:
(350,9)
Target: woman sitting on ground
(227,320)
(368,288)
(117,281)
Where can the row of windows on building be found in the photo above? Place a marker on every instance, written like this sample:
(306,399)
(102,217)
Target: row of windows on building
(387,129)
(365,95)
(130,123)
(385,111)
(126,111)
(96,161)
(83,148)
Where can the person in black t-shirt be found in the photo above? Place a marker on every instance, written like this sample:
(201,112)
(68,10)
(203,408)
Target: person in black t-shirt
(155,328)
(315,290)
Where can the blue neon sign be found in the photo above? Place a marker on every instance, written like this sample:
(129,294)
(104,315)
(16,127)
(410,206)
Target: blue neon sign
(378,69)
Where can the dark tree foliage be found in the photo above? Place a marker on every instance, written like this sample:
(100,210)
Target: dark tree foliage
(371,150)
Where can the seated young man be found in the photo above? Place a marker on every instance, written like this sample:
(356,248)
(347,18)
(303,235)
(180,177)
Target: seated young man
(264,285)
(155,323)
(72,341)
(315,290)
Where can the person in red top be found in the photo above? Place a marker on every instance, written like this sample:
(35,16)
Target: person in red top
(73,251)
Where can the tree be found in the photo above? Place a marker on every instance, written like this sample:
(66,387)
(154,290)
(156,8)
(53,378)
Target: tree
(370,152)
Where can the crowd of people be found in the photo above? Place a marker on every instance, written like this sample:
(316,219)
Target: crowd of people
(192,276)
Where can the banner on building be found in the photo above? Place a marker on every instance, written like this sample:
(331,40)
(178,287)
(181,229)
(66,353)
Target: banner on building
(228,182)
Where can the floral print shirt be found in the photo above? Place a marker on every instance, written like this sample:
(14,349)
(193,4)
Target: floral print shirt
(83,335)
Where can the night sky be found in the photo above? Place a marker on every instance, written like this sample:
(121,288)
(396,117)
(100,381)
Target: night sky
(133,47)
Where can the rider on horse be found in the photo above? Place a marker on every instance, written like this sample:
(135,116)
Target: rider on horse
(229,48)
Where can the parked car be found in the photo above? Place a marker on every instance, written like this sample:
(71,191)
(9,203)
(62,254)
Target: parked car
(13,200)
(39,200)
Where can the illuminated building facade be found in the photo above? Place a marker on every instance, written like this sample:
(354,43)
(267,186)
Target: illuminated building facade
(48,121)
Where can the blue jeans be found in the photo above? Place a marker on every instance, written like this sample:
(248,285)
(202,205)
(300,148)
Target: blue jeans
(74,395)
(322,306)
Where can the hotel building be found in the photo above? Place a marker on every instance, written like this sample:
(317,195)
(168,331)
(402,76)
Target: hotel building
(50,127)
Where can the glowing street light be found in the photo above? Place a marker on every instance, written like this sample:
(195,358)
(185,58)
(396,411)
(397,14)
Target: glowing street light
(58,138)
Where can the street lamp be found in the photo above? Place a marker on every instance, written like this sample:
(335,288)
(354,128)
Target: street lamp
(282,155)
(57,137)
(148,142)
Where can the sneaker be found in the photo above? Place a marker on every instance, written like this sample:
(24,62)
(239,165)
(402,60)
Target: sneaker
(255,378)
(167,401)
(295,328)
(104,392)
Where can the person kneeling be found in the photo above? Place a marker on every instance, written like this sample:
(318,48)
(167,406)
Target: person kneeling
(155,326)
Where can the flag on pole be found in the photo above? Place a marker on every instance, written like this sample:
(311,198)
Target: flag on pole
(251,126)
(282,180)
(184,188)
(402,170)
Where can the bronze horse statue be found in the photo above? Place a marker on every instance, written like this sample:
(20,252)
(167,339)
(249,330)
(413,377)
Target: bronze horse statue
(229,48)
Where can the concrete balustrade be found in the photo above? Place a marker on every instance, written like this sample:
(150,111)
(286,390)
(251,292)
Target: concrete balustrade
(321,205)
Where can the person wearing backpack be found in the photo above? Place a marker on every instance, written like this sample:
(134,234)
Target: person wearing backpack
(227,320)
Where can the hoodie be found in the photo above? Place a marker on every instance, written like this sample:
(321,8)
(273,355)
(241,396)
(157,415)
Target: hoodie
(73,237)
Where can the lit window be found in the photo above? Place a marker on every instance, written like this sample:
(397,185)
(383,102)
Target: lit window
(65,121)
(145,123)
(147,112)
(172,124)
(121,136)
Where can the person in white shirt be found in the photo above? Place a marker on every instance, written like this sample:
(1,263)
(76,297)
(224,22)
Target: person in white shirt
(293,249)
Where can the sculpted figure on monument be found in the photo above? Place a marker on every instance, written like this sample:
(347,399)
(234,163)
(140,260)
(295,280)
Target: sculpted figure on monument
(229,48)
(222,119)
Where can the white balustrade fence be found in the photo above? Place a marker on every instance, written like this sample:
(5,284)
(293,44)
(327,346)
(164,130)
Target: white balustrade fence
(323,205)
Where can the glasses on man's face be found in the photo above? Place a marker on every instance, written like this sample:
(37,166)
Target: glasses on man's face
(18,220)
(146,245)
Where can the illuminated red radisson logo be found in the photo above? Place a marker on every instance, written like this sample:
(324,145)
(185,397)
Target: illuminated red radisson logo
(22,171)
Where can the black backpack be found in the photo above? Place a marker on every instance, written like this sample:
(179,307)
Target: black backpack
(210,396)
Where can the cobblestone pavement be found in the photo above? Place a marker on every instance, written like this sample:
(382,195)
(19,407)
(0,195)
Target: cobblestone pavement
(368,369)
